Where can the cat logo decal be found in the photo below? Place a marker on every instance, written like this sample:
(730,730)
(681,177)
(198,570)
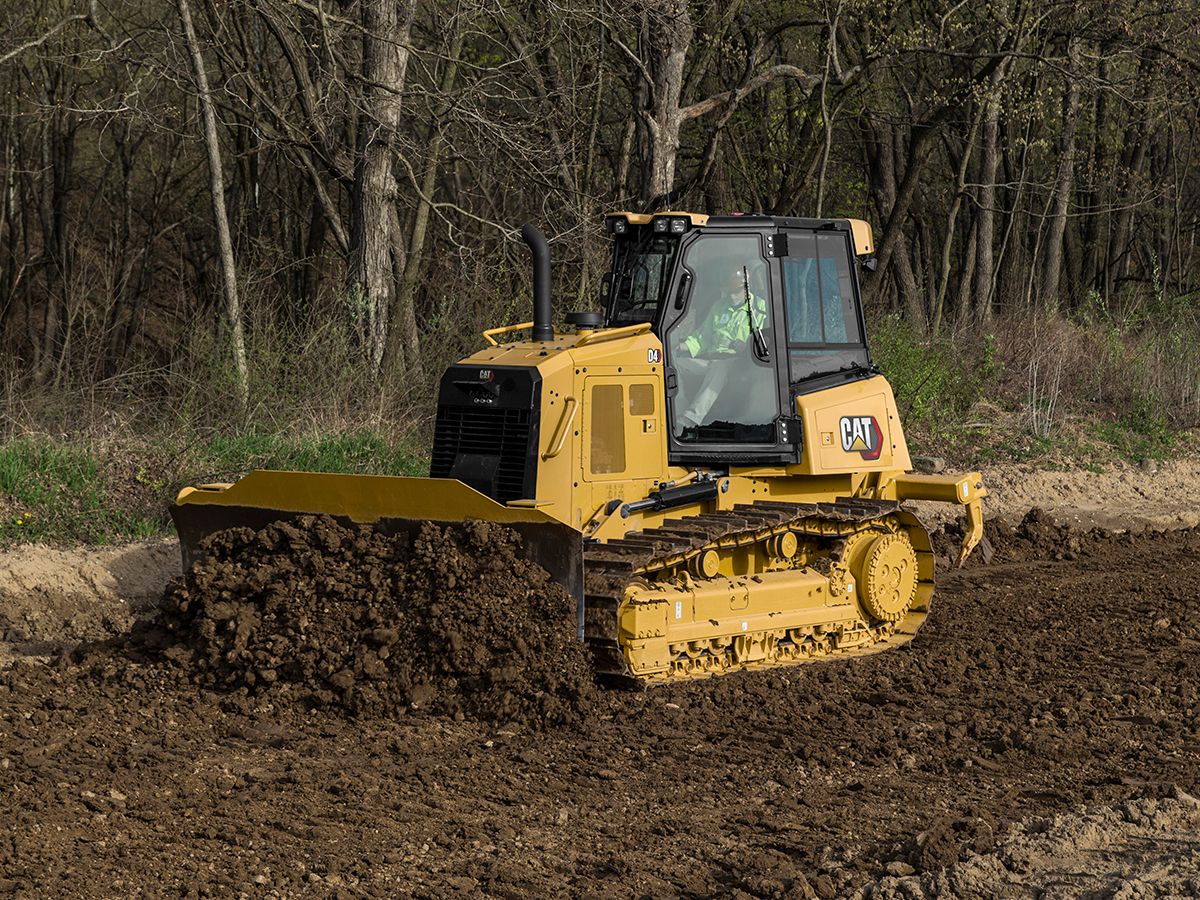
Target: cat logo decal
(861,435)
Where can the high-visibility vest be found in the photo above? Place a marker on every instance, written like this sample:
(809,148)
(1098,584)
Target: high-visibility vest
(726,329)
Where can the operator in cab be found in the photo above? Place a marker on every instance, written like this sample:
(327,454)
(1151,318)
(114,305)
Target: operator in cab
(728,336)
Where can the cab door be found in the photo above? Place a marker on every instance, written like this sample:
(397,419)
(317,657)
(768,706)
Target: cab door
(720,338)
(623,442)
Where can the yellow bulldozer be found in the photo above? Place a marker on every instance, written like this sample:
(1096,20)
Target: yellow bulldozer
(712,466)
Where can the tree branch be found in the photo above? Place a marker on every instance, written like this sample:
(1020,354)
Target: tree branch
(37,42)
(735,96)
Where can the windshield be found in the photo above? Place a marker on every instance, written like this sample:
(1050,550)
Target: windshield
(641,271)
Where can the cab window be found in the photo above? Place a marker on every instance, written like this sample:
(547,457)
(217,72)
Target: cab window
(823,332)
(642,266)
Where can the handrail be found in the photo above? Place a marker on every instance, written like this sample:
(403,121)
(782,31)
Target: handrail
(608,334)
(503,329)
(564,425)
(590,337)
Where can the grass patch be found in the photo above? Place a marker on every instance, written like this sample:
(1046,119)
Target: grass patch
(60,492)
(1138,437)
(56,492)
(361,452)
(1021,447)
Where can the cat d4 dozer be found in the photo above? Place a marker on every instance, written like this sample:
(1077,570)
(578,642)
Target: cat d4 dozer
(712,466)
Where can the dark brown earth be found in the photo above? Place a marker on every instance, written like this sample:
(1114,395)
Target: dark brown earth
(1064,673)
(453,620)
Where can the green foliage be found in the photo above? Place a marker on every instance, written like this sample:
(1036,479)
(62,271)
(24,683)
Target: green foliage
(1106,387)
(1141,432)
(53,491)
(64,492)
(935,382)
(362,451)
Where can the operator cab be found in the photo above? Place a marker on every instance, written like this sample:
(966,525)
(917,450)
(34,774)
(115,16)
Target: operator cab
(751,312)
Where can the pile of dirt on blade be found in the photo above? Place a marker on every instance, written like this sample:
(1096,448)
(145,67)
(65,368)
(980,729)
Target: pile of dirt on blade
(453,620)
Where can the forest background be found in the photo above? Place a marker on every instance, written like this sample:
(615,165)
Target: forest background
(237,233)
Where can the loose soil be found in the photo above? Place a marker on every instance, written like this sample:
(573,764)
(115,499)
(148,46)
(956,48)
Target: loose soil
(1147,847)
(454,620)
(52,598)
(1046,720)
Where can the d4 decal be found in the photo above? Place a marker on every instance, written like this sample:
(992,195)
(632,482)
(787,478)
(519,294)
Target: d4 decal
(861,435)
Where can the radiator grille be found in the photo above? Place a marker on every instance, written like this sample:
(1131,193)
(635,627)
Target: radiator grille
(486,432)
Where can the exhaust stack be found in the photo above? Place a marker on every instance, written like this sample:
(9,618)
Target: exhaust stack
(542,329)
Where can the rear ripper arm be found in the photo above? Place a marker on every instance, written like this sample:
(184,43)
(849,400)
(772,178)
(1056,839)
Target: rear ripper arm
(965,490)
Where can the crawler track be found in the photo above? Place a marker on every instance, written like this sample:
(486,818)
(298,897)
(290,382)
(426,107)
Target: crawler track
(824,533)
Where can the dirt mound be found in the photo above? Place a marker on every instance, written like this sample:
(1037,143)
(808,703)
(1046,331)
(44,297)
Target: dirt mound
(1038,535)
(453,620)
(53,598)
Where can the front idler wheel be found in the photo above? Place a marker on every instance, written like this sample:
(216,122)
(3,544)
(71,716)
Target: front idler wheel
(887,581)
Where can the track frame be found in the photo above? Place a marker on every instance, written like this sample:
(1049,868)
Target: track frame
(768,584)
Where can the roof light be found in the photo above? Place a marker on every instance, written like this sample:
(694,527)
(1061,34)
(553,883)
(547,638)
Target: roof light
(617,224)
(661,225)
(679,226)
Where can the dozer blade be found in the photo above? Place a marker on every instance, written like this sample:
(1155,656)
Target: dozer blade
(397,505)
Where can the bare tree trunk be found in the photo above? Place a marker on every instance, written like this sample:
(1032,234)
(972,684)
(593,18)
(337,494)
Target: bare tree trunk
(826,119)
(55,161)
(1010,255)
(985,235)
(962,303)
(892,232)
(9,230)
(586,202)
(1132,162)
(216,184)
(1108,244)
(670,35)
(960,186)
(405,300)
(882,165)
(386,25)
(310,275)
(621,178)
(1065,185)
(1095,242)
(404,315)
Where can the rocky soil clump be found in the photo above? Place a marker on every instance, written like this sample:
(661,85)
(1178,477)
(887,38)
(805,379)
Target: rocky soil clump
(1038,535)
(450,620)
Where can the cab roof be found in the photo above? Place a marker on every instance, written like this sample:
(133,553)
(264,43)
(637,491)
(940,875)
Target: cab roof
(864,243)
